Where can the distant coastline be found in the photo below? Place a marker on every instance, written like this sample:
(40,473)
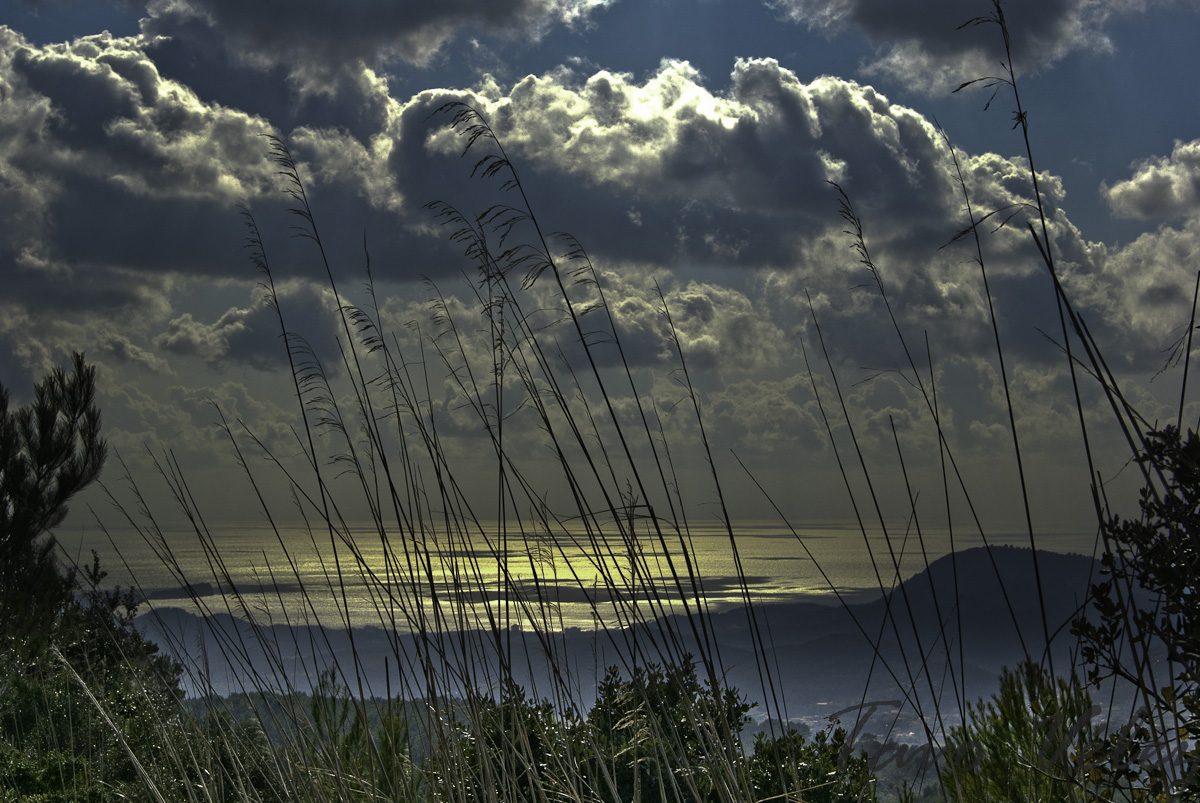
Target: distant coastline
(823,660)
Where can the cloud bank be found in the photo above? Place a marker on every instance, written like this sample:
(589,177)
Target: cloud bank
(922,45)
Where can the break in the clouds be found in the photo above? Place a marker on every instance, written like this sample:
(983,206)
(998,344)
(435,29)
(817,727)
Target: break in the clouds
(923,46)
(1167,186)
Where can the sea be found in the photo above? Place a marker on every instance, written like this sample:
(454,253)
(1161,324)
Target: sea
(510,575)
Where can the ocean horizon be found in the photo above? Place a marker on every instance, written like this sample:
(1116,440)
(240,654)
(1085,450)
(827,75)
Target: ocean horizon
(568,579)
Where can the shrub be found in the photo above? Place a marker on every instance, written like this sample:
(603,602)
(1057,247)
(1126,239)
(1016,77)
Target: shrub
(662,735)
(820,769)
(1034,740)
(1149,606)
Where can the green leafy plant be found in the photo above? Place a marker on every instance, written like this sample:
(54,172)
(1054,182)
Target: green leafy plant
(1034,740)
(661,734)
(823,768)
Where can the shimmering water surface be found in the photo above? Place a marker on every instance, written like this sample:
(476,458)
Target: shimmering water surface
(506,576)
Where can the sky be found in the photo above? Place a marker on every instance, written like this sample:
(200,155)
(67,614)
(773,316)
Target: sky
(686,145)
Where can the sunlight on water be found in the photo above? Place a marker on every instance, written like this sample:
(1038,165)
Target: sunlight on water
(504,577)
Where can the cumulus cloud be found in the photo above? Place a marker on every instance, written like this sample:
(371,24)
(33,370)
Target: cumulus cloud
(737,180)
(105,112)
(1140,294)
(921,44)
(670,170)
(122,159)
(251,335)
(101,157)
(1168,186)
(721,329)
(772,417)
(118,345)
(335,156)
(669,134)
(35,340)
(186,419)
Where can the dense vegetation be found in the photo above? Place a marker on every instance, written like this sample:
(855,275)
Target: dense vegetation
(91,710)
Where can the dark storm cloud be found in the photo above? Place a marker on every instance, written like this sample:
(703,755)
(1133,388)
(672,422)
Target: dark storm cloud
(662,173)
(720,328)
(315,39)
(920,44)
(35,340)
(115,175)
(211,65)
(144,173)
(112,288)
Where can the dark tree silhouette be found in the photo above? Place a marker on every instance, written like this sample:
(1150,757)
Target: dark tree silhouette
(1148,608)
(50,449)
